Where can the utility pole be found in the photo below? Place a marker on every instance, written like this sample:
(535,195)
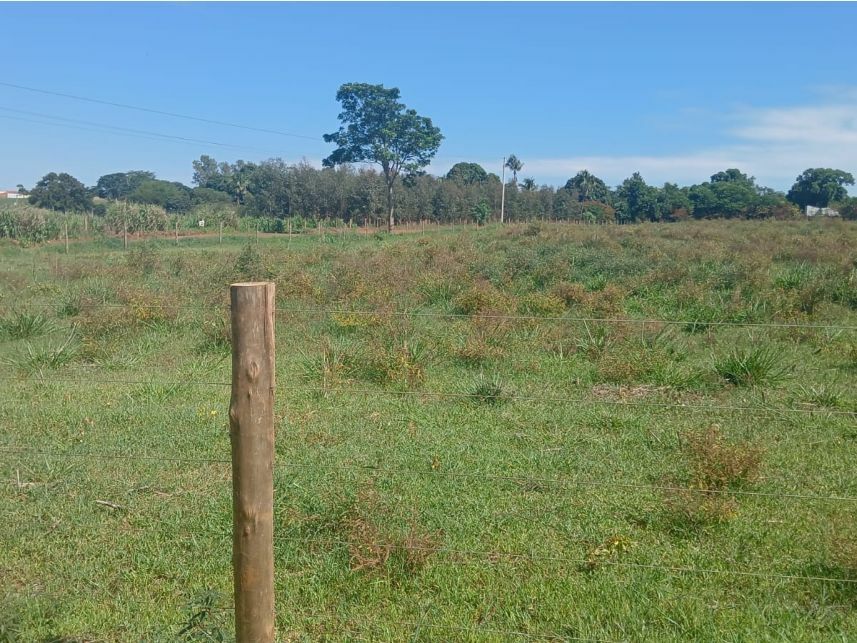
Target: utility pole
(503,193)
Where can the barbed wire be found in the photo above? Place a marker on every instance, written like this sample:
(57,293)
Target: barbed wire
(577,400)
(571,482)
(654,321)
(563,483)
(101,455)
(565,318)
(757,410)
(498,555)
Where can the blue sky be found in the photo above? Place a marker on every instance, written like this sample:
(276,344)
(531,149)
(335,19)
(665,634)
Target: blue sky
(676,91)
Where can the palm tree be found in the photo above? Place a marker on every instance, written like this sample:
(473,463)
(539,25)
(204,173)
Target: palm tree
(514,164)
(529,185)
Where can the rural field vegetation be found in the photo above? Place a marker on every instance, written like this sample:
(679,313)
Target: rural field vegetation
(482,434)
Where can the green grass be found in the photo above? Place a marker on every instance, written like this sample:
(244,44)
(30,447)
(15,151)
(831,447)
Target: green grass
(405,514)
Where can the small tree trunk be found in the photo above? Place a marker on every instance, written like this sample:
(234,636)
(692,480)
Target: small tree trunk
(390,222)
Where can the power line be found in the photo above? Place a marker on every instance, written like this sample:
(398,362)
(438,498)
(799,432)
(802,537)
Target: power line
(158,111)
(123,130)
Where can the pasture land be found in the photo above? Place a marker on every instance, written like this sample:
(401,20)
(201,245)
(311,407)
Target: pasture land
(478,439)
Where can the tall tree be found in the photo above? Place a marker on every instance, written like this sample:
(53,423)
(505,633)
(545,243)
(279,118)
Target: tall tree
(377,128)
(819,186)
(515,165)
(467,173)
(636,199)
(205,171)
(588,187)
(170,195)
(529,185)
(120,184)
(61,192)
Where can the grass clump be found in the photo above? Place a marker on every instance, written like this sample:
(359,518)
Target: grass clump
(541,305)
(714,466)
(759,366)
(717,465)
(40,358)
(206,619)
(476,299)
(398,361)
(488,390)
(25,325)
(373,548)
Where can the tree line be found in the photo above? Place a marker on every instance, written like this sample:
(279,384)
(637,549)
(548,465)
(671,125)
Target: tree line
(347,193)
(376,128)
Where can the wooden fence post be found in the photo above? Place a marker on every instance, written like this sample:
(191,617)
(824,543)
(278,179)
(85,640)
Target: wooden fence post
(251,424)
(221,232)
(177,231)
(66,235)
(125,234)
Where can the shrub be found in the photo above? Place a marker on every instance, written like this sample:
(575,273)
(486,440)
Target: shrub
(754,367)
(474,350)
(474,300)
(717,465)
(399,361)
(143,258)
(372,548)
(541,305)
(713,466)
(249,265)
(571,293)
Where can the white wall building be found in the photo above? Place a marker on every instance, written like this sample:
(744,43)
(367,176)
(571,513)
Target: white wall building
(812,211)
(11,194)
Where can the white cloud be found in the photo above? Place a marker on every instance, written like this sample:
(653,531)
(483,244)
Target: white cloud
(772,144)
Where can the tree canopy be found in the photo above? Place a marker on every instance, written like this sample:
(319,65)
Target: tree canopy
(819,187)
(588,187)
(467,173)
(515,165)
(377,128)
(120,185)
(61,192)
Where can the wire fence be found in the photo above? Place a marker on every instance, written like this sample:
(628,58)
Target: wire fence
(558,484)
(491,316)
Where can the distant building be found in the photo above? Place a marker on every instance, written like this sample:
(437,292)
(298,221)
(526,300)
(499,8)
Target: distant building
(11,194)
(812,211)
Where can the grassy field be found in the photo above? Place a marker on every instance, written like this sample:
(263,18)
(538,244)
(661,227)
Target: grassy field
(477,437)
